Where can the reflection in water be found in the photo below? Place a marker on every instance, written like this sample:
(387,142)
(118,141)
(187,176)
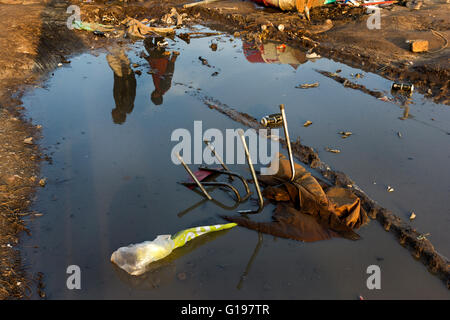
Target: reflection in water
(163,272)
(162,63)
(250,262)
(271,52)
(404,100)
(124,85)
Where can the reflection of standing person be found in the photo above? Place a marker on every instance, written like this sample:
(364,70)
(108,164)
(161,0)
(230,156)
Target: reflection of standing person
(124,86)
(162,63)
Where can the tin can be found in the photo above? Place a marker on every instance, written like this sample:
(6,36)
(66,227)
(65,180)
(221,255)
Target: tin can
(272,120)
(403,87)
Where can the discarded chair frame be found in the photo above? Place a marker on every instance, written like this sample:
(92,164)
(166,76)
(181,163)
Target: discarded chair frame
(226,171)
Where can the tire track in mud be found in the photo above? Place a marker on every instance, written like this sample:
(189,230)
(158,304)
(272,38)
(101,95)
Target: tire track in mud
(420,247)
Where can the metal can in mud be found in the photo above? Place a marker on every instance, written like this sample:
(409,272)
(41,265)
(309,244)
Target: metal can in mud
(272,120)
(409,88)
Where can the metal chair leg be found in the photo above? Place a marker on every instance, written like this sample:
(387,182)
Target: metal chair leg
(288,142)
(224,166)
(255,179)
(193,177)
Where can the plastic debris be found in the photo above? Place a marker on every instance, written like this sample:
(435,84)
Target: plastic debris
(28,140)
(333,150)
(86,26)
(136,257)
(138,29)
(390,189)
(272,120)
(307,123)
(173,17)
(43,182)
(312,55)
(345,134)
(308,85)
(412,216)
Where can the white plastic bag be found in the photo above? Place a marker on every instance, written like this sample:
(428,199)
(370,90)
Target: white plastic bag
(134,258)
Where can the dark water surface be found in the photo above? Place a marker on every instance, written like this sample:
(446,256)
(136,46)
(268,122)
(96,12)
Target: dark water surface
(112,181)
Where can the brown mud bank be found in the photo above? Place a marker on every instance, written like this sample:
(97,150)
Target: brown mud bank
(34,39)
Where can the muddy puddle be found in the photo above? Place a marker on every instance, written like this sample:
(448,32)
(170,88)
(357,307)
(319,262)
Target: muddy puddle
(112,182)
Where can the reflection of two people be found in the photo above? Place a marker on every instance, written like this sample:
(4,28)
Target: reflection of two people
(124,85)
(162,64)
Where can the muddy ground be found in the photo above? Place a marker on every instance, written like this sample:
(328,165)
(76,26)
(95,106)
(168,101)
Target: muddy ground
(34,39)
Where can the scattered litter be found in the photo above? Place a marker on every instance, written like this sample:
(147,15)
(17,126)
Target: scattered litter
(333,150)
(43,182)
(312,55)
(60,64)
(307,123)
(28,140)
(86,26)
(204,62)
(308,85)
(136,257)
(173,17)
(281,27)
(272,120)
(213,46)
(138,29)
(162,44)
(399,134)
(423,236)
(390,189)
(99,33)
(345,134)
(412,216)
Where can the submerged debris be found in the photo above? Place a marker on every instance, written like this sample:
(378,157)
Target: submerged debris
(308,85)
(333,150)
(345,134)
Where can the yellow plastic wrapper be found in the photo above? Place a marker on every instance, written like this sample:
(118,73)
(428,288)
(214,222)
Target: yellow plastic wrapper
(136,257)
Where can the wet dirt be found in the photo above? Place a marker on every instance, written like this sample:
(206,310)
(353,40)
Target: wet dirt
(112,184)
